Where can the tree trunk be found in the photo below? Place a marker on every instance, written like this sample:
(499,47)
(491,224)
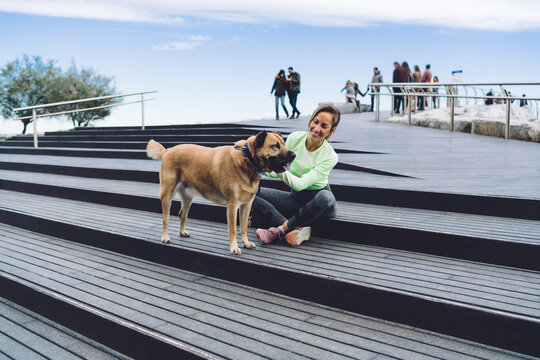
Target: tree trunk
(25,124)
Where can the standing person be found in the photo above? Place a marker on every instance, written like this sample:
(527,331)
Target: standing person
(425,79)
(350,94)
(399,76)
(405,65)
(417,77)
(523,102)
(310,198)
(489,101)
(294,90)
(435,90)
(377,78)
(279,88)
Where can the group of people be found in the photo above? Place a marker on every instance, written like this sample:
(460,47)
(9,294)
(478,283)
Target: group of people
(402,74)
(286,85)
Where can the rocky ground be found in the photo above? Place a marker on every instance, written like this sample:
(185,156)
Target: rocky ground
(480,119)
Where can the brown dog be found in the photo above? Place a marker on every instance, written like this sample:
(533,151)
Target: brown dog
(226,175)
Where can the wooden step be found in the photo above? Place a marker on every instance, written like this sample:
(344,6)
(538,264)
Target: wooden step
(147,171)
(26,335)
(496,240)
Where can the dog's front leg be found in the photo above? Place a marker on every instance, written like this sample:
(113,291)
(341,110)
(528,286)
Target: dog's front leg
(244,219)
(232,209)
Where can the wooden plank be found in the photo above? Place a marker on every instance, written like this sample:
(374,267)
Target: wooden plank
(15,350)
(68,340)
(37,343)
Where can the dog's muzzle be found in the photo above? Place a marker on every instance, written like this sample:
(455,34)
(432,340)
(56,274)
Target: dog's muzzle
(279,163)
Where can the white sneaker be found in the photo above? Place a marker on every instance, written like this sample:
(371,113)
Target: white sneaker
(298,235)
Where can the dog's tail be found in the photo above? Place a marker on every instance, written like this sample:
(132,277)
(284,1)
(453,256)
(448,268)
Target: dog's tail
(155,150)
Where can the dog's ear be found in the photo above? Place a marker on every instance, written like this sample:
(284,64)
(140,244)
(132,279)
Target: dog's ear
(260,139)
(278,134)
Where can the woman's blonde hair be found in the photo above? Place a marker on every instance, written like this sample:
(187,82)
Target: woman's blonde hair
(336,116)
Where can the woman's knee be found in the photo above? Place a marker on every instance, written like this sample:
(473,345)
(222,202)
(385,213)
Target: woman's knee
(327,201)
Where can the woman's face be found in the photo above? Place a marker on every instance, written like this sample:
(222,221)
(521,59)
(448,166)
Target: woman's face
(320,127)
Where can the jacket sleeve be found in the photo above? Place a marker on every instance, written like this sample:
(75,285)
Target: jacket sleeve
(273,86)
(296,79)
(316,174)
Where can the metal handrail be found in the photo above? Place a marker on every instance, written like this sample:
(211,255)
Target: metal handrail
(409,91)
(80,110)
(82,100)
(34,116)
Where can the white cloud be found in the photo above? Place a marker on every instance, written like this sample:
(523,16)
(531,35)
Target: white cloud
(188,42)
(502,15)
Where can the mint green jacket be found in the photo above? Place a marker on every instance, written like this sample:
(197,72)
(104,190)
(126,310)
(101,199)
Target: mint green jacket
(309,170)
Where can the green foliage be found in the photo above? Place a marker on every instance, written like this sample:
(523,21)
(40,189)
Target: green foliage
(31,81)
(83,84)
(26,82)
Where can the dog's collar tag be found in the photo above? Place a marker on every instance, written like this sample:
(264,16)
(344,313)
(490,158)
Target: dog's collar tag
(250,162)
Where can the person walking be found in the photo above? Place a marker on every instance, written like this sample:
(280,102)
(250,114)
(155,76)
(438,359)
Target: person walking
(425,79)
(294,90)
(377,78)
(279,89)
(310,199)
(399,76)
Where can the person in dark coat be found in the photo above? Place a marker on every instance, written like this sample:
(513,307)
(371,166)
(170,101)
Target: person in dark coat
(399,76)
(294,90)
(280,87)
(523,102)
(377,78)
(489,101)
(425,79)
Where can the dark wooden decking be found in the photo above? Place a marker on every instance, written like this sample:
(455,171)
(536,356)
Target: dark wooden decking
(25,335)
(379,224)
(439,232)
(434,160)
(221,318)
(497,228)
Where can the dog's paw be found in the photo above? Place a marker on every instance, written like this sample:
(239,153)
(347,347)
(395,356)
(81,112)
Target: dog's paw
(236,251)
(249,245)
(184,234)
(165,240)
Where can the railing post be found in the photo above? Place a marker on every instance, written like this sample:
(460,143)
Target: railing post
(34,123)
(507,127)
(409,97)
(142,110)
(452,108)
(507,123)
(378,104)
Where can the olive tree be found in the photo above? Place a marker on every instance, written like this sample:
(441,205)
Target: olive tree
(30,81)
(83,84)
(26,82)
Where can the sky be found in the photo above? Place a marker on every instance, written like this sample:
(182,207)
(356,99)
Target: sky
(214,61)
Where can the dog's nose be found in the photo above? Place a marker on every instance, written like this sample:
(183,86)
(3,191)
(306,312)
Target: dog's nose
(291,156)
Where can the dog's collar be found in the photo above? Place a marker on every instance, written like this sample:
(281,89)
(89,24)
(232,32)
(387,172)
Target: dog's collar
(250,161)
